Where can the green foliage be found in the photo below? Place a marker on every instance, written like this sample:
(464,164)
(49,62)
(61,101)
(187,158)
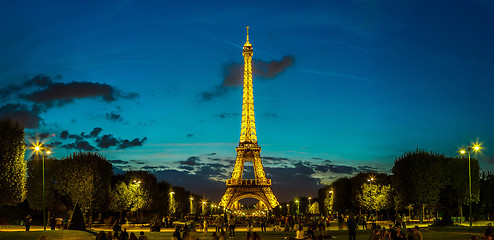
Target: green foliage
(486,192)
(374,196)
(419,176)
(342,194)
(85,177)
(143,190)
(458,178)
(314,208)
(121,198)
(54,200)
(12,164)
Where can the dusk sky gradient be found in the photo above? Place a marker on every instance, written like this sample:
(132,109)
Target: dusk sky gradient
(340,87)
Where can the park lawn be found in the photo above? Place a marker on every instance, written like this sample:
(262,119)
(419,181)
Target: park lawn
(450,233)
(34,235)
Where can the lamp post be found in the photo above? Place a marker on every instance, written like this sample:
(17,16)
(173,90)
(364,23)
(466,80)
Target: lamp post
(309,205)
(468,149)
(370,180)
(38,148)
(331,201)
(172,207)
(203,206)
(298,206)
(191,205)
(138,183)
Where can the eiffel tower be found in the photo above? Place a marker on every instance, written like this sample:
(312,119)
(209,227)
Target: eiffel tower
(248,150)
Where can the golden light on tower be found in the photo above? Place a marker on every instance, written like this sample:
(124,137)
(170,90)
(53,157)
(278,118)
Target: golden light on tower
(248,149)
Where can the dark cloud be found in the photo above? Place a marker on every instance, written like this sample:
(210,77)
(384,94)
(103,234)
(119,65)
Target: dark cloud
(39,81)
(269,70)
(336,169)
(190,135)
(225,115)
(118,162)
(271,115)
(60,94)
(29,118)
(49,91)
(136,142)
(275,160)
(233,74)
(198,183)
(191,161)
(106,141)
(147,167)
(137,162)
(368,169)
(298,178)
(113,116)
(189,168)
(64,134)
(217,91)
(214,170)
(55,144)
(96,131)
(81,145)
(77,137)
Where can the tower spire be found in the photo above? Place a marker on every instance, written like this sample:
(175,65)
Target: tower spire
(247,43)
(247,34)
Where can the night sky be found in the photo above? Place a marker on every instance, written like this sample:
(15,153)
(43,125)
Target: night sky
(340,87)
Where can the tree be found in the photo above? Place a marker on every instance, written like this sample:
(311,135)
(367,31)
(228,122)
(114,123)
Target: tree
(458,178)
(120,198)
(12,164)
(342,194)
(418,177)
(486,204)
(85,177)
(143,188)
(365,177)
(314,208)
(374,196)
(55,201)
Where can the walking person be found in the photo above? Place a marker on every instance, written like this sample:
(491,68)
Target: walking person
(205,226)
(352,227)
(231,226)
(27,222)
(263,224)
(52,223)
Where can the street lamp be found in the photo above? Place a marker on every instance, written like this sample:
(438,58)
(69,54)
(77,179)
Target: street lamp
(297,206)
(309,205)
(287,209)
(203,206)
(38,148)
(475,147)
(191,204)
(370,180)
(138,183)
(171,207)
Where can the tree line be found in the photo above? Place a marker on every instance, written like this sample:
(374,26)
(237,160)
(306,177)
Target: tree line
(86,180)
(421,184)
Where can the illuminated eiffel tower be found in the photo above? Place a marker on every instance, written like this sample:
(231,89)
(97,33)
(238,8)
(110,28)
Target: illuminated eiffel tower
(248,150)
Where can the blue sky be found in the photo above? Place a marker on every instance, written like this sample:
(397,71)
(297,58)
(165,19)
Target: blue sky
(341,86)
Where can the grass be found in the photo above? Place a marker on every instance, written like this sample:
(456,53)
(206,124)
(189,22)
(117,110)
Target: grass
(450,233)
(34,235)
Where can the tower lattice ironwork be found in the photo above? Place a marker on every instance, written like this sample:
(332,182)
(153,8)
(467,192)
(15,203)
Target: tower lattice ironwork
(238,188)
